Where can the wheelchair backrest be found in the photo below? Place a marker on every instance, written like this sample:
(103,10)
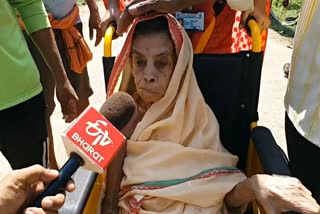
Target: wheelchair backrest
(230,85)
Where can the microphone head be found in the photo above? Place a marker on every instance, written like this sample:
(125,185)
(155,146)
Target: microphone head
(95,136)
(119,109)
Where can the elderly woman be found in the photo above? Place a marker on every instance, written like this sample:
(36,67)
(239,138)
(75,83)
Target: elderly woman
(175,162)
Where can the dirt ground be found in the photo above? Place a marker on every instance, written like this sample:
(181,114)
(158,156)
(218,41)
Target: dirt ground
(273,87)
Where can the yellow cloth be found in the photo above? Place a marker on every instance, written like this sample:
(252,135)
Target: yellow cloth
(177,138)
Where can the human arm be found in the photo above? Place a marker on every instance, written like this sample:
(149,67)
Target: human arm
(244,5)
(138,7)
(275,193)
(94,21)
(52,160)
(240,196)
(259,13)
(112,14)
(36,22)
(115,170)
(20,187)
(113,181)
(45,41)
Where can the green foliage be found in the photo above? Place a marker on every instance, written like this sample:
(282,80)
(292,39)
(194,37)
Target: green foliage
(81,2)
(282,23)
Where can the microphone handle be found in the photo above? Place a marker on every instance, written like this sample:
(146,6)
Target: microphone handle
(65,173)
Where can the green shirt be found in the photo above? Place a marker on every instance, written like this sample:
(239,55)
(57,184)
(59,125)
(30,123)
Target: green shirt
(19,77)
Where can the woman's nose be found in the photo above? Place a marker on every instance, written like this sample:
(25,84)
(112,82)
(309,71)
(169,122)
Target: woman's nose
(149,78)
(150,74)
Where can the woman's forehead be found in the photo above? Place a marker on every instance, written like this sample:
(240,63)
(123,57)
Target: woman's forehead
(154,45)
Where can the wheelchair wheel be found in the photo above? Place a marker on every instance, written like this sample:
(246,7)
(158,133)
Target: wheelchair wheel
(286,14)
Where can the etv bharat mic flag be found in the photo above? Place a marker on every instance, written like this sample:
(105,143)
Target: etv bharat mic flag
(94,138)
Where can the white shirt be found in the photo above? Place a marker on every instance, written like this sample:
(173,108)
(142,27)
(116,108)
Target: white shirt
(302,100)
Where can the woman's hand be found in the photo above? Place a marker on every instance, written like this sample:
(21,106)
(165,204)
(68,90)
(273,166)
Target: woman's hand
(279,194)
(259,13)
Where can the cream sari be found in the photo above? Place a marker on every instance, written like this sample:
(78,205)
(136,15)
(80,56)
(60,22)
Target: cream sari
(175,161)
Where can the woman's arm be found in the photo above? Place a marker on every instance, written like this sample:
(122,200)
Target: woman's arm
(276,194)
(113,181)
(115,170)
(239,197)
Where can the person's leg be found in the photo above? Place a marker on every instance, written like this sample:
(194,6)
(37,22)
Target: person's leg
(304,157)
(23,133)
(80,82)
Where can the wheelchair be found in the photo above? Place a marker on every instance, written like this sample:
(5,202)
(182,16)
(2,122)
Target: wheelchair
(230,84)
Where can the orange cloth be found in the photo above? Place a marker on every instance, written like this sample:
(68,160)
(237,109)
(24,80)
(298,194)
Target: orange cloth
(122,3)
(78,50)
(220,40)
(226,36)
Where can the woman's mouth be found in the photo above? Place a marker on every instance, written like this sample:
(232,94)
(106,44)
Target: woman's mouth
(145,90)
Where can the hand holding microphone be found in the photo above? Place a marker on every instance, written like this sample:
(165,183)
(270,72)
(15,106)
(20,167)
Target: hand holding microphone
(93,139)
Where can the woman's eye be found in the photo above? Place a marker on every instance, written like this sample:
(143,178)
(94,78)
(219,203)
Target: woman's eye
(139,62)
(162,63)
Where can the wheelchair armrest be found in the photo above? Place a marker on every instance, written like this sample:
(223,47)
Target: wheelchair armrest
(273,159)
(77,200)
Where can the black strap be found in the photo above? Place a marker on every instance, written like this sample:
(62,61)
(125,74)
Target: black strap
(218,6)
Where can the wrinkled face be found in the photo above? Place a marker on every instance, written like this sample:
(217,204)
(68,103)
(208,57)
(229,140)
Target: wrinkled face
(153,61)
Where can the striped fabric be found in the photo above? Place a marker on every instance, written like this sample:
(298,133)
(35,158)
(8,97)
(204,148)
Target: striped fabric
(202,175)
(302,100)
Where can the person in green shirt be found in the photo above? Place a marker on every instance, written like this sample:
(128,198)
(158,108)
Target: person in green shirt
(22,108)
(67,12)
